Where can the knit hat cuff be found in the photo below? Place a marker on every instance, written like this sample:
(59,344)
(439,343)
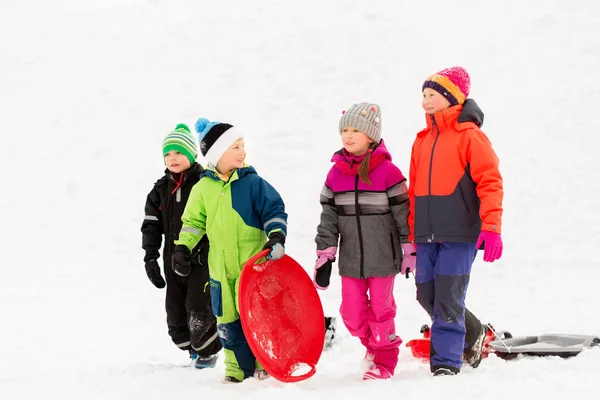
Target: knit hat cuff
(365,117)
(362,124)
(446,88)
(220,146)
(179,148)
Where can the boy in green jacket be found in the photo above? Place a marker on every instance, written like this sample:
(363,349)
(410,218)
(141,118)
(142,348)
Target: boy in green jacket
(237,210)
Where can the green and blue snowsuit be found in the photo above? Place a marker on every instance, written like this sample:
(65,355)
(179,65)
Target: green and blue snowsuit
(237,215)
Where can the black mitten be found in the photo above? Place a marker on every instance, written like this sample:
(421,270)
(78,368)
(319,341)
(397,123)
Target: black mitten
(153,272)
(182,264)
(323,273)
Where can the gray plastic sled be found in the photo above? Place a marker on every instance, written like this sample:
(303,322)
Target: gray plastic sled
(561,345)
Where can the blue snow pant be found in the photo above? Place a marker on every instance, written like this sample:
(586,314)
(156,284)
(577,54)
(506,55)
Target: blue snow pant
(442,278)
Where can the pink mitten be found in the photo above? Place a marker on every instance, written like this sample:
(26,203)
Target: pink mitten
(409,260)
(323,267)
(492,245)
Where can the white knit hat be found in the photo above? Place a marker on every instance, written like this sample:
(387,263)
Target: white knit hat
(215,138)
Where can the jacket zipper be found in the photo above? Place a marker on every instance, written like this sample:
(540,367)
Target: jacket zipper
(433,124)
(360,240)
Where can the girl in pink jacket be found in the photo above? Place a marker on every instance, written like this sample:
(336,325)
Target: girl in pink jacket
(365,209)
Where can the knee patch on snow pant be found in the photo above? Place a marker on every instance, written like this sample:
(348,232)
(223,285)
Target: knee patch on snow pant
(449,295)
(204,337)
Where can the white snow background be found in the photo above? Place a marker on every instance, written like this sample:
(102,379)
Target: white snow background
(88,89)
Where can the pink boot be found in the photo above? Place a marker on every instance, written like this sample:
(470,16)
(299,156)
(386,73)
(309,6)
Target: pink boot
(368,362)
(377,372)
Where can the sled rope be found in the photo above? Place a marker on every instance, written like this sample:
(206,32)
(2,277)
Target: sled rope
(499,338)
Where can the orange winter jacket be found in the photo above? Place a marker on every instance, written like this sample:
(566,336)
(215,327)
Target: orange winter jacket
(455,186)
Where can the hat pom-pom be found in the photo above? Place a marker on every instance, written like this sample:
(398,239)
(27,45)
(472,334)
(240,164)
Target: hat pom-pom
(182,126)
(201,124)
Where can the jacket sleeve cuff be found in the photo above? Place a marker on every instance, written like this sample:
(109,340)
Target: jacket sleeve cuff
(491,228)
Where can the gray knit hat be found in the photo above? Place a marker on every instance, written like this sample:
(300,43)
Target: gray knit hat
(365,117)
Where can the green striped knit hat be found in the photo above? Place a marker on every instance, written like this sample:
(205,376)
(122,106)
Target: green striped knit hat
(181,140)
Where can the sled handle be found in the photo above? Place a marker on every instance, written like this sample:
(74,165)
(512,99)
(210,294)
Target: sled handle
(252,260)
(296,378)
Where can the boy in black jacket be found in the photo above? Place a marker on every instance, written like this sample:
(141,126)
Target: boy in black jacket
(192,325)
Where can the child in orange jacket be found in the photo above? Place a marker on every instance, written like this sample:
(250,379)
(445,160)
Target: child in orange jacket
(456,208)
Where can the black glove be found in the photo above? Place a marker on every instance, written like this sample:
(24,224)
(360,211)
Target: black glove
(471,113)
(276,243)
(153,272)
(182,265)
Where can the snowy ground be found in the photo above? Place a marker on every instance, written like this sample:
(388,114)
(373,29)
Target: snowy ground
(89,88)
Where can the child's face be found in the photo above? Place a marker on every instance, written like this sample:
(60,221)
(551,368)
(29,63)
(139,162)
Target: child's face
(355,142)
(176,162)
(433,101)
(233,158)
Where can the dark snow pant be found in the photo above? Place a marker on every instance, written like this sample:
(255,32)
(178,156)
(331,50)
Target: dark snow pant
(442,278)
(192,325)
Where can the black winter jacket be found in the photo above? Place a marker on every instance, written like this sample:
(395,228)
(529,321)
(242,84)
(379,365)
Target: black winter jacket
(164,207)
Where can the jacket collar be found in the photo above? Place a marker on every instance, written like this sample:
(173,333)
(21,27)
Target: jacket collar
(349,163)
(444,119)
(194,170)
(234,175)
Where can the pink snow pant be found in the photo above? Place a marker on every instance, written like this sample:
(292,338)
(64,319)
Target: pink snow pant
(372,320)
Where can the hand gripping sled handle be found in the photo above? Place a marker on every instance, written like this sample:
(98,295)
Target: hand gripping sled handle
(296,378)
(257,257)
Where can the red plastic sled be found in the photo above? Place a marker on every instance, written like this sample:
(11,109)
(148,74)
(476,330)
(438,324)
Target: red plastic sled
(420,348)
(282,317)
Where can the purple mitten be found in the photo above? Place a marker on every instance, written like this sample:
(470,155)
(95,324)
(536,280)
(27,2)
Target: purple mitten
(492,245)
(409,260)
(323,267)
